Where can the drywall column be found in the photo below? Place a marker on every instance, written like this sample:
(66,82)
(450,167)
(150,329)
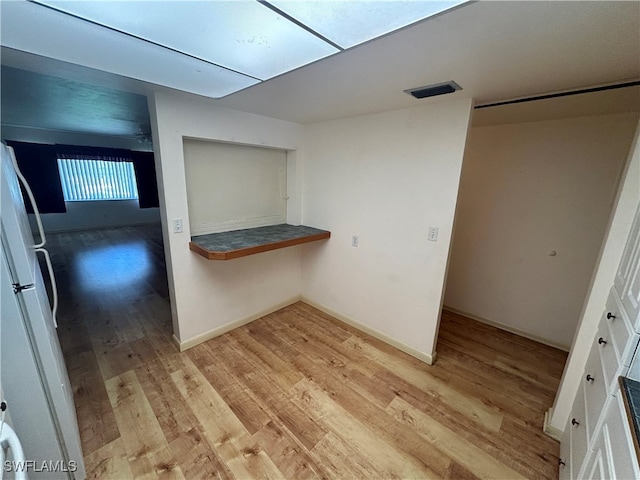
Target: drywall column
(602,280)
(386,178)
(208,297)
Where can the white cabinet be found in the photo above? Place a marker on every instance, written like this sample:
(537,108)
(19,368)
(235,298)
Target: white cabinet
(595,385)
(577,424)
(618,443)
(621,330)
(613,456)
(597,442)
(596,468)
(565,455)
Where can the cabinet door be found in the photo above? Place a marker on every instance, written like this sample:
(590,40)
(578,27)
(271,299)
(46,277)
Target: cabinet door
(620,328)
(598,467)
(578,428)
(618,442)
(627,281)
(565,454)
(595,383)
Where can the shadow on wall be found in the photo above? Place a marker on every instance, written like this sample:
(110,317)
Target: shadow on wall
(97,214)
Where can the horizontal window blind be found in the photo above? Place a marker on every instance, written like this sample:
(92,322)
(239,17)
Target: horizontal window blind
(84,180)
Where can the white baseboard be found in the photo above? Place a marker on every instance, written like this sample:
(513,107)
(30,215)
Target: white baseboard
(508,328)
(424,357)
(97,227)
(549,429)
(216,332)
(176,341)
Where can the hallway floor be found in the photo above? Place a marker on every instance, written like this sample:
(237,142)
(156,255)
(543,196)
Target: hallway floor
(295,394)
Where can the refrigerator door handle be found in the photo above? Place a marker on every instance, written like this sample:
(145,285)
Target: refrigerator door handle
(10,441)
(54,287)
(27,189)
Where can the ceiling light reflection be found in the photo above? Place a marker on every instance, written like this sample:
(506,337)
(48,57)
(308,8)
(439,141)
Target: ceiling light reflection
(113,267)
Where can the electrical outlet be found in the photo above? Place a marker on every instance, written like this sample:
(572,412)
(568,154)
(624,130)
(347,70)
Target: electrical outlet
(355,241)
(433,234)
(177,225)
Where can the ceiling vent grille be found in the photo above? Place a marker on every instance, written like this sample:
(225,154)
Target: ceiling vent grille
(434,90)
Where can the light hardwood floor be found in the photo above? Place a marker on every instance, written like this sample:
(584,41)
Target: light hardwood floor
(296,394)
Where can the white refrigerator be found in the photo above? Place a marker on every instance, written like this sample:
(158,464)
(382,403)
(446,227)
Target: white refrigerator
(33,376)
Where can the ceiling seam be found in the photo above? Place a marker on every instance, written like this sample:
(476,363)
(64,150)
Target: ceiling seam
(580,91)
(151,42)
(300,24)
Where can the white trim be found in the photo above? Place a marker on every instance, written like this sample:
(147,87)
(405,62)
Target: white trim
(176,341)
(424,357)
(101,227)
(549,429)
(508,328)
(216,332)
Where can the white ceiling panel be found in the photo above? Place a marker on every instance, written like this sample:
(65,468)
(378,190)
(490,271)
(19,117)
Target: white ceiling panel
(493,50)
(357,21)
(241,35)
(42,31)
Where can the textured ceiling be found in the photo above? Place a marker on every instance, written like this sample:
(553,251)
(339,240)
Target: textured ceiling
(210,48)
(494,50)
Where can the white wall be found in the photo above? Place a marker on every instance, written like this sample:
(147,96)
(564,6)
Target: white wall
(89,215)
(208,297)
(628,199)
(231,187)
(527,190)
(386,178)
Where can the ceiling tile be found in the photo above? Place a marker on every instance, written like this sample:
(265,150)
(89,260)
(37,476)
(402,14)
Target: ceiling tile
(240,35)
(35,29)
(349,23)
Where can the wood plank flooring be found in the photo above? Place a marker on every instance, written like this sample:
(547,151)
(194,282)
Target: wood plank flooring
(296,394)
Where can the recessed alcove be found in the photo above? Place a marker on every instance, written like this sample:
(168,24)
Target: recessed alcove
(238,200)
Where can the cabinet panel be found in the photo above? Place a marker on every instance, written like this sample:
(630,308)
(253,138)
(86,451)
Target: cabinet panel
(578,427)
(620,328)
(598,467)
(618,442)
(565,454)
(611,368)
(595,385)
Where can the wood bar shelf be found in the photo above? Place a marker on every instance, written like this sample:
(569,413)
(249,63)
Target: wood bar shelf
(250,241)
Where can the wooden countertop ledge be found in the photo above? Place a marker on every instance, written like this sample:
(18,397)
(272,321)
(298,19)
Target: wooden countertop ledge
(250,241)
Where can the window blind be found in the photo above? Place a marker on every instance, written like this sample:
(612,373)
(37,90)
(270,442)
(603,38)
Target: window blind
(89,179)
